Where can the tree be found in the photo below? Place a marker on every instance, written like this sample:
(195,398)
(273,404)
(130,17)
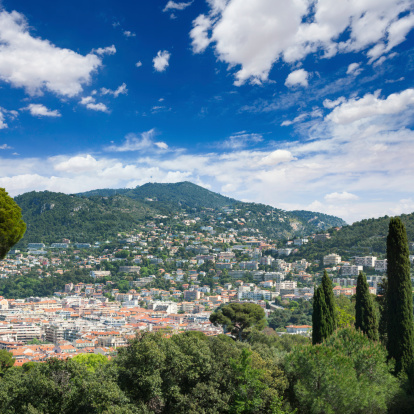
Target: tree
(237,317)
(330,303)
(319,317)
(348,373)
(6,361)
(400,344)
(12,226)
(365,316)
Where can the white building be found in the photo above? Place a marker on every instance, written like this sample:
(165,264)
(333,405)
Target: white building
(381,265)
(366,261)
(351,270)
(331,259)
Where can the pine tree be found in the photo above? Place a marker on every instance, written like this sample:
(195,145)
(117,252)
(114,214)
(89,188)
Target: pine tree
(400,343)
(365,316)
(330,303)
(319,317)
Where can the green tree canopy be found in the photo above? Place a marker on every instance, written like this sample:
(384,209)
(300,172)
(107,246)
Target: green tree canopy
(365,315)
(330,303)
(400,344)
(237,317)
(12,226)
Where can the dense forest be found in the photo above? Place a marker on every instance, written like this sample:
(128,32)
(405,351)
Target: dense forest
(195,374)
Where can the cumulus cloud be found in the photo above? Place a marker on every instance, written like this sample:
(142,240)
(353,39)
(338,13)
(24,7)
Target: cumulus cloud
(133,142)
(340,197)
(371,105)
(90,103)
(276,157)
(41,110)
(172,5)
(35,64)
(5,146)
(109,50)
(297,77)
(161,61)
(254,35)
(138,64)
(121,90)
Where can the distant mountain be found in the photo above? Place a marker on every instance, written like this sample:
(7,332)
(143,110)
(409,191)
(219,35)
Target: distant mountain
(100,214)
(361,238)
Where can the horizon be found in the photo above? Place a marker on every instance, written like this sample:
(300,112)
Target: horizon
(310,110)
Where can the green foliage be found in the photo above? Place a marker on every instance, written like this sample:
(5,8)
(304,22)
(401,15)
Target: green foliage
(91,361)
(347,374)
(294,315)
(319,317)
(191,374)
(365,315)
(345,312)
(330,303)
(399,298)
(6,361)
(12,226)
(237,317)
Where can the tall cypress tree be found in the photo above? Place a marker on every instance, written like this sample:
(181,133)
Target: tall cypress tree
(400,344)
(330,303)
(319,317)
(365,316)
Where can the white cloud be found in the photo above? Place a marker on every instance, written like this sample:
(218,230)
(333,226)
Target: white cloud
(3,124)
(36,64)
(371,105)
(354,69)
(5,146)
(138,64)
(254,35)
(340,197)
(241,140)
(172,5)
(161,61)
(128,33)
(78,164)
(276,157)
(90,103)
(134,142)
(109,50)
(41,110)
(121,90)
(327,103)
(297,77)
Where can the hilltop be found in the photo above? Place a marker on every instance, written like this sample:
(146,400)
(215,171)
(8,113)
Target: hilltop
(103,213)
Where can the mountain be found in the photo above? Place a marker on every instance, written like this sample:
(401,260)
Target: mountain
(366,237)
(183,195)
(52,216)
(101,214)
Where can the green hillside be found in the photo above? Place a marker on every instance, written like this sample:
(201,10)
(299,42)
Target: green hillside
(361,238)
(183,195)
(51,216)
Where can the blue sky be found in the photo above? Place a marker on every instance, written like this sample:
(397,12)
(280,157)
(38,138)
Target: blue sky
(300,105)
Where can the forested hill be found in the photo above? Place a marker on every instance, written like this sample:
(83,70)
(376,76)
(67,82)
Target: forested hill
(52,216)
(363,237)
(184,195)
(101,214)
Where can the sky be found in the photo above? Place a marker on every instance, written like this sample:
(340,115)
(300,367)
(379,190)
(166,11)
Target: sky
(298,104)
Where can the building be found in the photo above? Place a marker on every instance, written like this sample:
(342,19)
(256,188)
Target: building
(331,259)
(381,265)
(351,270)
(298,329)
(100,273)
(366,261)
(322,237)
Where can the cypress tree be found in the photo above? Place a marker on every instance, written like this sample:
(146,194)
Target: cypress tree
(319,317)
(400,344)
(383,308)
(365,317)
(330,303)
